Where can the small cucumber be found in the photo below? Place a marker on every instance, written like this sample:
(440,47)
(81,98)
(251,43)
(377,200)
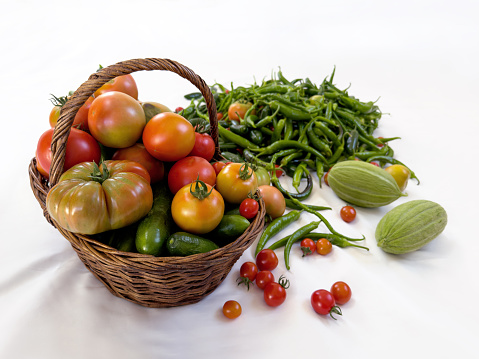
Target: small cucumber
(231,227)
(124,238)
(184,244)
(154,229)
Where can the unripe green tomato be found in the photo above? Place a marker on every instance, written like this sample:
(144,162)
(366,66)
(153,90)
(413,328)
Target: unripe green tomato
(263,176)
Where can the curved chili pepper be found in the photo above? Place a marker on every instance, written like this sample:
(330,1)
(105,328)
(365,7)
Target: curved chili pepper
(282,144)
(276,226)
(297,196)
(290,204)
(233,137)
(334,239)
(299,233)
(393,161)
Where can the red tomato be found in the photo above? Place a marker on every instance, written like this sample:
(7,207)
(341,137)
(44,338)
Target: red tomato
(323,303)
(341,292)
(118,195)
(81,118)
(323,246)
(347,213)
(263,278)
(125,84)
(179,109)
(248,271)
(169,137)
(116,120)
(204,146)
(278,173)
(187,170)
(238,109)
(326,178)
(308,246)
(266,260)
(218,166)
(232,309)
(138,153)
(197,212)
(273,199)
(236,181)
(81,147)
(249,208)
(219,116)
(275,293)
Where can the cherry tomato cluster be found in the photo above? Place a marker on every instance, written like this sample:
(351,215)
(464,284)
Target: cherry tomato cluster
(322,246)
(326,302)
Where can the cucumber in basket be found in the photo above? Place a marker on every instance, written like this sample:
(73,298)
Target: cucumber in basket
(155,228)
(185,244)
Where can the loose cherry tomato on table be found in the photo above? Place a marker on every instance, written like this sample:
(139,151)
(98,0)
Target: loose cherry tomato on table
(80,147)
(169,137)
(347,213)
(323,246)
(187,170)
(323,303)
(236,181)
(138,153)
(263,278)
(341,292)
(249,208)
(266,260)
(232,309)
(204,146)
(274,201)
(197,208)
(125,84)
(248,272)
(116,119)
(275,292)
(308,246)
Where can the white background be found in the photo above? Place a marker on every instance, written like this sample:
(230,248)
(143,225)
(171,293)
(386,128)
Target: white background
(420,57)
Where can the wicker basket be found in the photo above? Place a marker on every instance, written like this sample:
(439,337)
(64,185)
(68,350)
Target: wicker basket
(143,279)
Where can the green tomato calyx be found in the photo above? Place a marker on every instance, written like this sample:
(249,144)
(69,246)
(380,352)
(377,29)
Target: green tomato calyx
(98,175)
(200,189)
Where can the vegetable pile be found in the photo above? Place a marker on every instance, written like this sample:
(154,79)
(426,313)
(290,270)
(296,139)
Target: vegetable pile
(142,178)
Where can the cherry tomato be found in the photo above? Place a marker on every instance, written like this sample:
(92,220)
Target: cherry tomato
(236,181)
(125,84)
(204,146)
(196,211)
(179,109)
(138,153)
(275,292)
(238,109)
(263,278)
(347,213)
(249,270)
(266,260)
(323,303)
(232,309)
(401,175)
(169,136)
(323,246)
(326,178)
(263,176)
(116,119)
(375,164)
(218,166)
(308,246)
(219,116)
(187,170)
(279,172)
(249,208)
(341,292)
(80,147)
(273,199)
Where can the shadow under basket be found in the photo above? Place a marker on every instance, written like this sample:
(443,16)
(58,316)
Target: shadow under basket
(143,279)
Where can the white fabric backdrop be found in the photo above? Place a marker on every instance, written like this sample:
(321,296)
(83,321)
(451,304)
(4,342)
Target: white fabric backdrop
(419,57)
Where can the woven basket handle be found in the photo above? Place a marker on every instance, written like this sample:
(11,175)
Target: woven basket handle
(98,79)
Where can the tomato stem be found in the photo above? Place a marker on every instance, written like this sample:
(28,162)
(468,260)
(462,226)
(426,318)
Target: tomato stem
(335,310)
(98,175)
(200,192)
(244,172)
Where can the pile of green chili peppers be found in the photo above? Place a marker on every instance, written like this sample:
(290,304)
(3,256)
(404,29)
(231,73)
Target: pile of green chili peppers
(299,127)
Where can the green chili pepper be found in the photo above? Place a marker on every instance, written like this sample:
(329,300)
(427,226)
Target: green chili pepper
(299,233)
(327,132)
(233,157)
(290,112)
(298,175)
(233,137)
(266,120)
(287,159)
(282,144)
(393,161)
(301,196)
(367,154)
(334,239)
(317,143)
(278,129)
(356,105)
(292,205)
(352,142)
(239,129)
(275,88)
(276,226)
(256,136)
(288,129)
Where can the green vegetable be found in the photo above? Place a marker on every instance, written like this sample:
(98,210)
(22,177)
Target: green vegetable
(231,227)
(185,244)
(154,229)
(410,226)
(363,184)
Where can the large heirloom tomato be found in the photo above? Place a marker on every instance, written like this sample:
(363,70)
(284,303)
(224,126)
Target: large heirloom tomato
(169,137)
(235,181)
(125,84)
(90,199)
(81,147)
(116,120)
(197,208)
(187,170)
(138,153)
